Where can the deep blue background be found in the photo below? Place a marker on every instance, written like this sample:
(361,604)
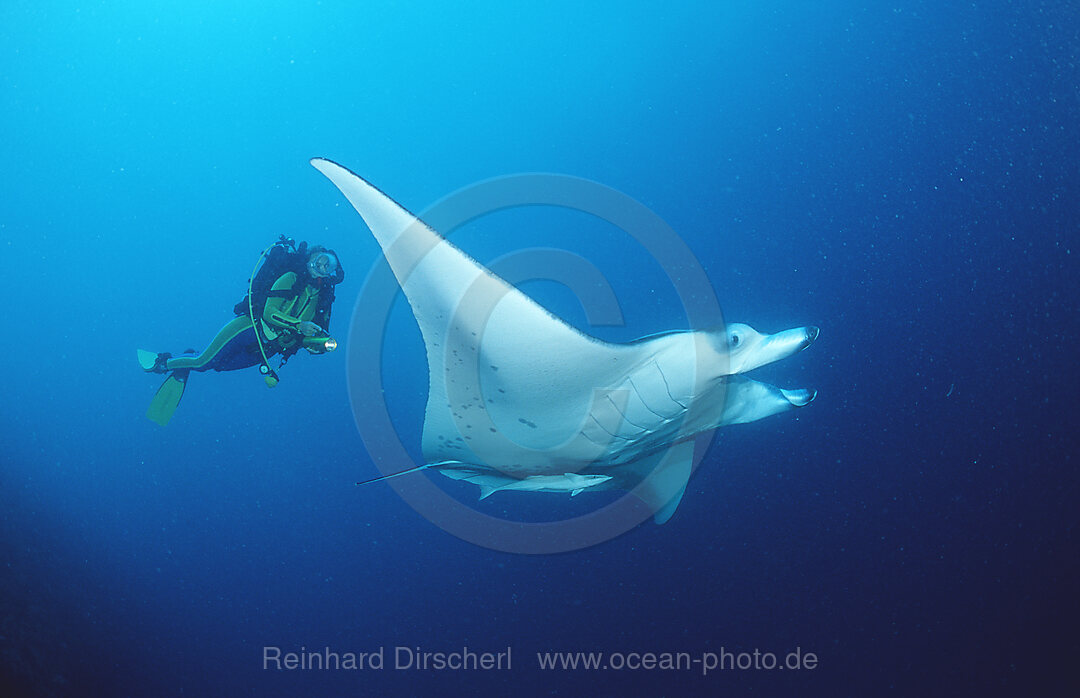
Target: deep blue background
(905,176)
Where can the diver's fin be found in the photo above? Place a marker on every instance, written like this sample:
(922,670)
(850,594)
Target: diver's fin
(167,397)
(155,363)
(148,360)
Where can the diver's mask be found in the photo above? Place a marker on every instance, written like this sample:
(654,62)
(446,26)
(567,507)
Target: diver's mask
(322,265)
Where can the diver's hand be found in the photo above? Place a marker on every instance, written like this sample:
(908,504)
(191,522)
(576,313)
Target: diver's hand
(310,329)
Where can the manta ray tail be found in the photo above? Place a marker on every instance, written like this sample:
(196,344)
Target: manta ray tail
(408,471)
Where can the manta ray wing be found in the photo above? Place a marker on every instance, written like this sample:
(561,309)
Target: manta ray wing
(512,387)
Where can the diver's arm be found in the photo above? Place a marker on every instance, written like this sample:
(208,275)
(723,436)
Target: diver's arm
(274,314)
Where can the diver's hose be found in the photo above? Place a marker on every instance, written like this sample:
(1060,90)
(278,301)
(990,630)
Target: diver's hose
(268,373)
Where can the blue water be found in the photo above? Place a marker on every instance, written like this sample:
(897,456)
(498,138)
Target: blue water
(904,176)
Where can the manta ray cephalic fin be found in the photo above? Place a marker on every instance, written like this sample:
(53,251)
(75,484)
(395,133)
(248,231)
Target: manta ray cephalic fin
(663,488)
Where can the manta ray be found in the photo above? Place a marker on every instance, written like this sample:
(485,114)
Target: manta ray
(518,399)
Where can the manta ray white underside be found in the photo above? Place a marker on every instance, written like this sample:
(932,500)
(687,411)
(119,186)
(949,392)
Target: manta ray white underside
(520,400)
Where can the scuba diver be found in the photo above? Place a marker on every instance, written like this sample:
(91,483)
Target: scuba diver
(290,293)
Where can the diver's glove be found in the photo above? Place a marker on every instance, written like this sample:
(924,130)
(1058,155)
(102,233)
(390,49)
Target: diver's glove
(310,329)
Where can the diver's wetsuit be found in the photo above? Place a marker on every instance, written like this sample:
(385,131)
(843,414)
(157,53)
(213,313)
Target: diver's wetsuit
(235,346)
